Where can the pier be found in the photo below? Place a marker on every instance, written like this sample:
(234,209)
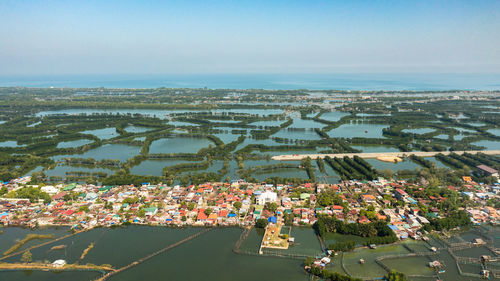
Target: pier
(143,259)
(296,157)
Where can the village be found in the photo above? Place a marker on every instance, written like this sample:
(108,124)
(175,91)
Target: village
(405,207)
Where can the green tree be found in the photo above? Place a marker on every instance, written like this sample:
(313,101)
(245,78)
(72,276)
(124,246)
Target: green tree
(387,174)
(327,198)
(27,257)
(395,276)
(141,213)
(261,223)
(237,205)
(271,207)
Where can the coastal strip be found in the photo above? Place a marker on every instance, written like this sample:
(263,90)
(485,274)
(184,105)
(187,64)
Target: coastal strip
(51,267)
(295,157)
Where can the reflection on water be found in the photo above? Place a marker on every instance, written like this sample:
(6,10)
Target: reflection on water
(358,131)
(103,134)
(418,131)
(108,151)
(179,145)
(75,143)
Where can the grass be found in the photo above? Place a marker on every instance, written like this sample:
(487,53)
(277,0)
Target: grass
(28,238)
(86,251)
(44,266)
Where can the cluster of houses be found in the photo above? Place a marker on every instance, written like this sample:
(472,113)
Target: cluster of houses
(238,203)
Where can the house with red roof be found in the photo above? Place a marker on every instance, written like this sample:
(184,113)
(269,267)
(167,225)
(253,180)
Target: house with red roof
(223,213)
(201,216)
(401,194)
(363,219)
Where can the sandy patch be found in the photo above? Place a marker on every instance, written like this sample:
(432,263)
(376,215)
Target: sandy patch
(392,159)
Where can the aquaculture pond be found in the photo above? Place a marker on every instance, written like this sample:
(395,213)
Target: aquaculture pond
(193,137)
(442,136)
(212,254)
(333,116)
(226,134)
(358,130)
(267,123)
(10,144)
(304,134)
(370,268)
(36,169)
(75,143)
(136,129)
(49,276)
(248,141)
(159,113)
(371,114)
(458,137)
(495,132)
(181,123)
(374,149)
(12,235)
(108,151)
(418,131)
(154,167)
(284,173)
(64,170)
(103,134)
(459,116)
(306,124)
(438,163)
(476,124)
(87,111)
(249,111)
(488,144)
(463,130)
(406,164)
(331,176)
(179,145)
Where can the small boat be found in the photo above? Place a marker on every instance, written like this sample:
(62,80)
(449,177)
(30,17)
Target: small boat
(361,261)
(485,274)
(366,131)
(442,271)
(435,264)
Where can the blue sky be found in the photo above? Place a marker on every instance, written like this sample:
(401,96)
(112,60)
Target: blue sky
(155,37)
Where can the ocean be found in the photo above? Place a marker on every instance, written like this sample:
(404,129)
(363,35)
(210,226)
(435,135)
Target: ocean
(391,82)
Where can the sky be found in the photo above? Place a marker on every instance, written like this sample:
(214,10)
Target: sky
(270,36)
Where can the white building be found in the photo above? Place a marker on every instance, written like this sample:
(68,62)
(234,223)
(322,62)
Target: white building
(266,196)
(59,263)
(49,189)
